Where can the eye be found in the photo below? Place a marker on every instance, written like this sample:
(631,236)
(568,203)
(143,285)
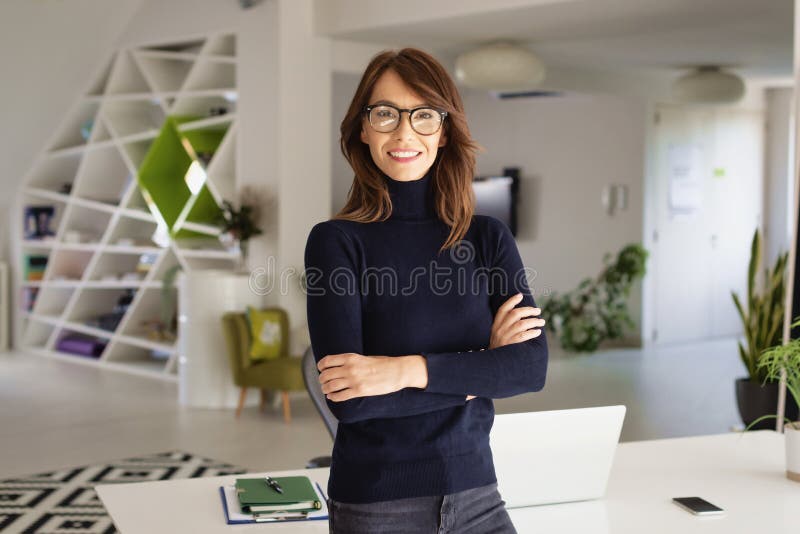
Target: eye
(385,113)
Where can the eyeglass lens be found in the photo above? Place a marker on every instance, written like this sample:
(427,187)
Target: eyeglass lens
(424,121)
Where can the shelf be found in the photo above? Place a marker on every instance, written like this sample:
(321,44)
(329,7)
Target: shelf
(103,177)
(223,45)
(68,151)
(165,74)
(166,54)
(83,227)
(133,117)
(147,312)
(112,266)
(60,284)
(54,172)
(88,330)
(135,151)
(77,129)
(200,103)
(46,194)
(38,243)
(143,342)
(190,46)
(37,334)
(205,229)
(211,254)
(103,223)
(99,86)
(146,135)
(210,123)
(46,319)
(139,230)
(132,249)
(94,302)
(93,204)
(222,169)
(67,265)
(88,247)
(138,214)
(126,77)
(122,284)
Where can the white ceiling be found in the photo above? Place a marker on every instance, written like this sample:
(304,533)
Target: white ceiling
(754,37)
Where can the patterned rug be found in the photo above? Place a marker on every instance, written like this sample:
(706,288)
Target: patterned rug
(64,501)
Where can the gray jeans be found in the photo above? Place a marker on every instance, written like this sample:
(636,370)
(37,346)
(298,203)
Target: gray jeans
(473,511)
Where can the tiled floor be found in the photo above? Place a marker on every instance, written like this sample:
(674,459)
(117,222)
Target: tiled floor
(57,414)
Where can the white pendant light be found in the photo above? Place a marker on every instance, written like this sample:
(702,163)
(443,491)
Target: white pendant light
(708,85)
(500,66)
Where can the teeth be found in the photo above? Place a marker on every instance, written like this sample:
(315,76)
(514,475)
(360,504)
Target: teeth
(403,154)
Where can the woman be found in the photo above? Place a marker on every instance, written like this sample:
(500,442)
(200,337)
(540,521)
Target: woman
(411,312)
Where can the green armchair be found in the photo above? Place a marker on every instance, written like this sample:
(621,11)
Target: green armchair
(283,373)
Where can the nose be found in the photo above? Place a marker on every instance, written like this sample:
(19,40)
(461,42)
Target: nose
(404,129)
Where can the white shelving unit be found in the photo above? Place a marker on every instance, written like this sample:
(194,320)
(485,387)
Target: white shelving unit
(91,184)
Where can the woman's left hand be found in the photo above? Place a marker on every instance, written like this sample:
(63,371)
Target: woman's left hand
(349,375)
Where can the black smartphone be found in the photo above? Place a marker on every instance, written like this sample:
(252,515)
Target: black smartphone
(697,506)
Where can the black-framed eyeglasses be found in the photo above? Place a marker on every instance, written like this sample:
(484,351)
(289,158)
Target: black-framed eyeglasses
(424,120)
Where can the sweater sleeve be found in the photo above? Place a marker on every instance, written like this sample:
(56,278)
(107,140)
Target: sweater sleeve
(333,308)
(503,371)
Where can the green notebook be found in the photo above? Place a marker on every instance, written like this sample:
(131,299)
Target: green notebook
(256,496)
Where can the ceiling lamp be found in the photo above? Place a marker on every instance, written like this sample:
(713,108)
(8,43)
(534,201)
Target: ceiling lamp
(500,66)
(708,85)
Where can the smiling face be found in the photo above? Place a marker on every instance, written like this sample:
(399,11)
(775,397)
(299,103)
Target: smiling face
(402,154)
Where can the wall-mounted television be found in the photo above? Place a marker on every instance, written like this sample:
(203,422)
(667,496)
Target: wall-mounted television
(497,196)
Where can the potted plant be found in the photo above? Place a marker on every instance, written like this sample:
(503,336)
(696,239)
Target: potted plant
(756,394)
(240,223)
(773,361)
(597,310)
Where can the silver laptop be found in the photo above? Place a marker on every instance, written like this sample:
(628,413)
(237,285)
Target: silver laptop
(556,456)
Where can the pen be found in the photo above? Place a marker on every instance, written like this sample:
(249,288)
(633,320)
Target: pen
(274,485)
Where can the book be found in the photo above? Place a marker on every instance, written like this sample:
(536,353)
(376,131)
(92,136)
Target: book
(256,496)
(234,515)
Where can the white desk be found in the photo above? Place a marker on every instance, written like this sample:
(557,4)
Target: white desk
(744,476)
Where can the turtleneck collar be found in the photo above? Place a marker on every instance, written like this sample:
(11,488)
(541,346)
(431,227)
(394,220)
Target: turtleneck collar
(412,200)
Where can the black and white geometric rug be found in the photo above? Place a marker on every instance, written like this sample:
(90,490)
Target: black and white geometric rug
(64,501)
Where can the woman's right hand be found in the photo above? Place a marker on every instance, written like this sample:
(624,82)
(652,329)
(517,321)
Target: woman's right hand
(514,325)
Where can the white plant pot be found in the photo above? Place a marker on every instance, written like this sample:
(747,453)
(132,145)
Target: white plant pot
(792,452)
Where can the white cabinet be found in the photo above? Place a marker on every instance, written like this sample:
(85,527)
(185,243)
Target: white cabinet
(204,375)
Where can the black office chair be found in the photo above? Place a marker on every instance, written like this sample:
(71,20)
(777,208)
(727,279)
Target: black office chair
(311,379)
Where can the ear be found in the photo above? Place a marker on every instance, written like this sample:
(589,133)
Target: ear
(443,140)
(364,136)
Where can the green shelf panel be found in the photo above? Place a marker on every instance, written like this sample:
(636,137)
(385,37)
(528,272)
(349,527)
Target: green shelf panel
(205,209)
(164,169)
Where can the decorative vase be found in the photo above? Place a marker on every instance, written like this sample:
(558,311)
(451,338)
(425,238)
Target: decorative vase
(244,245)
(792,434)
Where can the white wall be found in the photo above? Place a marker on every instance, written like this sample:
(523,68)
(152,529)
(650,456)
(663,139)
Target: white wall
(778,187)
(48,51)
(569,149)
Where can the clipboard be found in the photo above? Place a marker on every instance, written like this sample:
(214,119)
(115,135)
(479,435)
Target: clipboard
(234,517)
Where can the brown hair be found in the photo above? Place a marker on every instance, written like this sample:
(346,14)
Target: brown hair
(454,167)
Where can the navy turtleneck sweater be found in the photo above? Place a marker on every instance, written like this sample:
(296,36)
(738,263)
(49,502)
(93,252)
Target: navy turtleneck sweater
(385,289)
